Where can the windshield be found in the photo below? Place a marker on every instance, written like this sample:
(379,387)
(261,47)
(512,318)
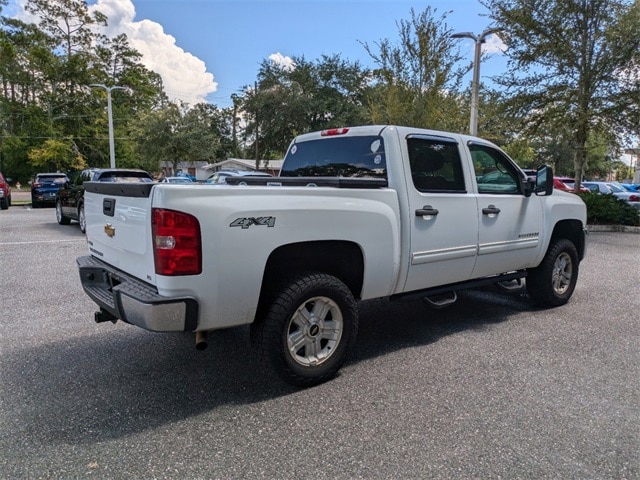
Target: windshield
(615,188)
(356,156)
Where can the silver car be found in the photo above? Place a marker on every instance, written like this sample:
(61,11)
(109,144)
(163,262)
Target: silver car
(612,188)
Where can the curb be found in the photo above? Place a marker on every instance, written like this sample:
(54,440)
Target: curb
(612,228)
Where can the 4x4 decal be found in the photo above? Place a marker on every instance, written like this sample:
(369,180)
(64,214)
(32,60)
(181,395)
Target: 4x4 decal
(246,222)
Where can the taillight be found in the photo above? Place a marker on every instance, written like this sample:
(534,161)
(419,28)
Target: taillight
(634,198)
(333,131)
(177,248)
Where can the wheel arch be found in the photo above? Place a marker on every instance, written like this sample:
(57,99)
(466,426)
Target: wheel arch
(573,231)
(341,259)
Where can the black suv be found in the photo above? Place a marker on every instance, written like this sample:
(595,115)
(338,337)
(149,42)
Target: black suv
(70,198)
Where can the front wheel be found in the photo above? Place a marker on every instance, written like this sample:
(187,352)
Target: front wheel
(307,329)
(60,217)
(551,284)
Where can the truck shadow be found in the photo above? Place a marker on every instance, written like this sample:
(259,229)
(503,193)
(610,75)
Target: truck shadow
(123,380)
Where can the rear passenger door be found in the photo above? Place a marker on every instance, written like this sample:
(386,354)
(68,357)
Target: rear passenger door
(509,222)
(444,214)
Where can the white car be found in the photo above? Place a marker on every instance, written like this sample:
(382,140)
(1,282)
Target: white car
(176,180)
(220,178)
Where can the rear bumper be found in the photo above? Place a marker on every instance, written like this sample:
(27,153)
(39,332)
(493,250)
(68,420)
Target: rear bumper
(133,301)
(43,197)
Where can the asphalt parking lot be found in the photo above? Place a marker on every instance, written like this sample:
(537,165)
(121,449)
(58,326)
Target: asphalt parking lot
(488,388)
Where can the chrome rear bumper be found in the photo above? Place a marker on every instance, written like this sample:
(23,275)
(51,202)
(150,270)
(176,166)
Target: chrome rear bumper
(129,299)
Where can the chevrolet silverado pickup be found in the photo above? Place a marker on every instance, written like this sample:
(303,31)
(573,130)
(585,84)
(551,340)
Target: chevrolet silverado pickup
(356,213)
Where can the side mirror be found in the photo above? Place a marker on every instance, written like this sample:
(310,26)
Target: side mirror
(544,180)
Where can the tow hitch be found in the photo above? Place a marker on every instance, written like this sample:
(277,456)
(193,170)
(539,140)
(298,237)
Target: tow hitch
(104,316)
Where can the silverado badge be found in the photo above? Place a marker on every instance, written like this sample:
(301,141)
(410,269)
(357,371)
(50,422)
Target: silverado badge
(110,230)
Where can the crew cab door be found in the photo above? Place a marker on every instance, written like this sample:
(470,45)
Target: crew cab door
(444,214)
(509,222)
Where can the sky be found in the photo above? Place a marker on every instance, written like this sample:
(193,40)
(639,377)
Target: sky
(207,50)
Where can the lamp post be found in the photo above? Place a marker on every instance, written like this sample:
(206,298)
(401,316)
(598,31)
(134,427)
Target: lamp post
(112,154)
(475,85)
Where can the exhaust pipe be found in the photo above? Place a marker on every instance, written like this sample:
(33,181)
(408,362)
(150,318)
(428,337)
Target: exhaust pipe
(201,340)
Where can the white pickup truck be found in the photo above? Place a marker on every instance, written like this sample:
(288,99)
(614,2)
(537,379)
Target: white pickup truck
(356,213)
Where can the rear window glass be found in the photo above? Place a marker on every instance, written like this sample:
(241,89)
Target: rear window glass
(51,178)
(362,156)
(125,177)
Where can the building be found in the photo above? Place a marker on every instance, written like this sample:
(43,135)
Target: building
(196,169)
(270,166)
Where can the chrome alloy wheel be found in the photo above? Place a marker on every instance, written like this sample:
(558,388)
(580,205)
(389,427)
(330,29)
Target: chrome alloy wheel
(81,219)
(314,331)
(58,212)
(562,273)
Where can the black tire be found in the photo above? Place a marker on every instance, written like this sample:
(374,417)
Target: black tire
(551,283)
(34,204)
(61,217)
(307,329)
(4,203)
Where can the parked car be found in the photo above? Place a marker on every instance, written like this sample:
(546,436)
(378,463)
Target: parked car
(612,188)
(176,180)
(70,198)
(220,178)
(44,187)
(631,187)
(5,193)
(570,183)
(560,185)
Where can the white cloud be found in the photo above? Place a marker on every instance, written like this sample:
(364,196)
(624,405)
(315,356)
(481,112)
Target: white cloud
(494,44)
(285,62)
(184,75)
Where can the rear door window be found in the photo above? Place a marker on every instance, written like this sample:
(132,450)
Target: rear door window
(435,164)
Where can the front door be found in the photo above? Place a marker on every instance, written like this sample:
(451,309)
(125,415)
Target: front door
(510,223)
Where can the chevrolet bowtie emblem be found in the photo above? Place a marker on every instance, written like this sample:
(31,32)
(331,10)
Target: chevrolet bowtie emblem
(110,230)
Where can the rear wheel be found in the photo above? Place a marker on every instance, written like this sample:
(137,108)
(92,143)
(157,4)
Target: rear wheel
(61,217)
(4,203)
(551,284)
(307,329)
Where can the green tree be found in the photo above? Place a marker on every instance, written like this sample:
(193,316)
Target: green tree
(57,155)
(308,96)
(570,65)
(177,133)
(418,79)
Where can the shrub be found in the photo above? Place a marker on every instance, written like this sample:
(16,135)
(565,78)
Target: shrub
(609,210)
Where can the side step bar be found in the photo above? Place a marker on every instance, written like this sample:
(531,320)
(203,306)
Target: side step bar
(441,301)
(449,291)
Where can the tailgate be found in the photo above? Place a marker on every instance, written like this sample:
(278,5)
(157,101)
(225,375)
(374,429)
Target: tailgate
(119,226)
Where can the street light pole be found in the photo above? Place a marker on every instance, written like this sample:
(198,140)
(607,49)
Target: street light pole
(475,85)
(112,153)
